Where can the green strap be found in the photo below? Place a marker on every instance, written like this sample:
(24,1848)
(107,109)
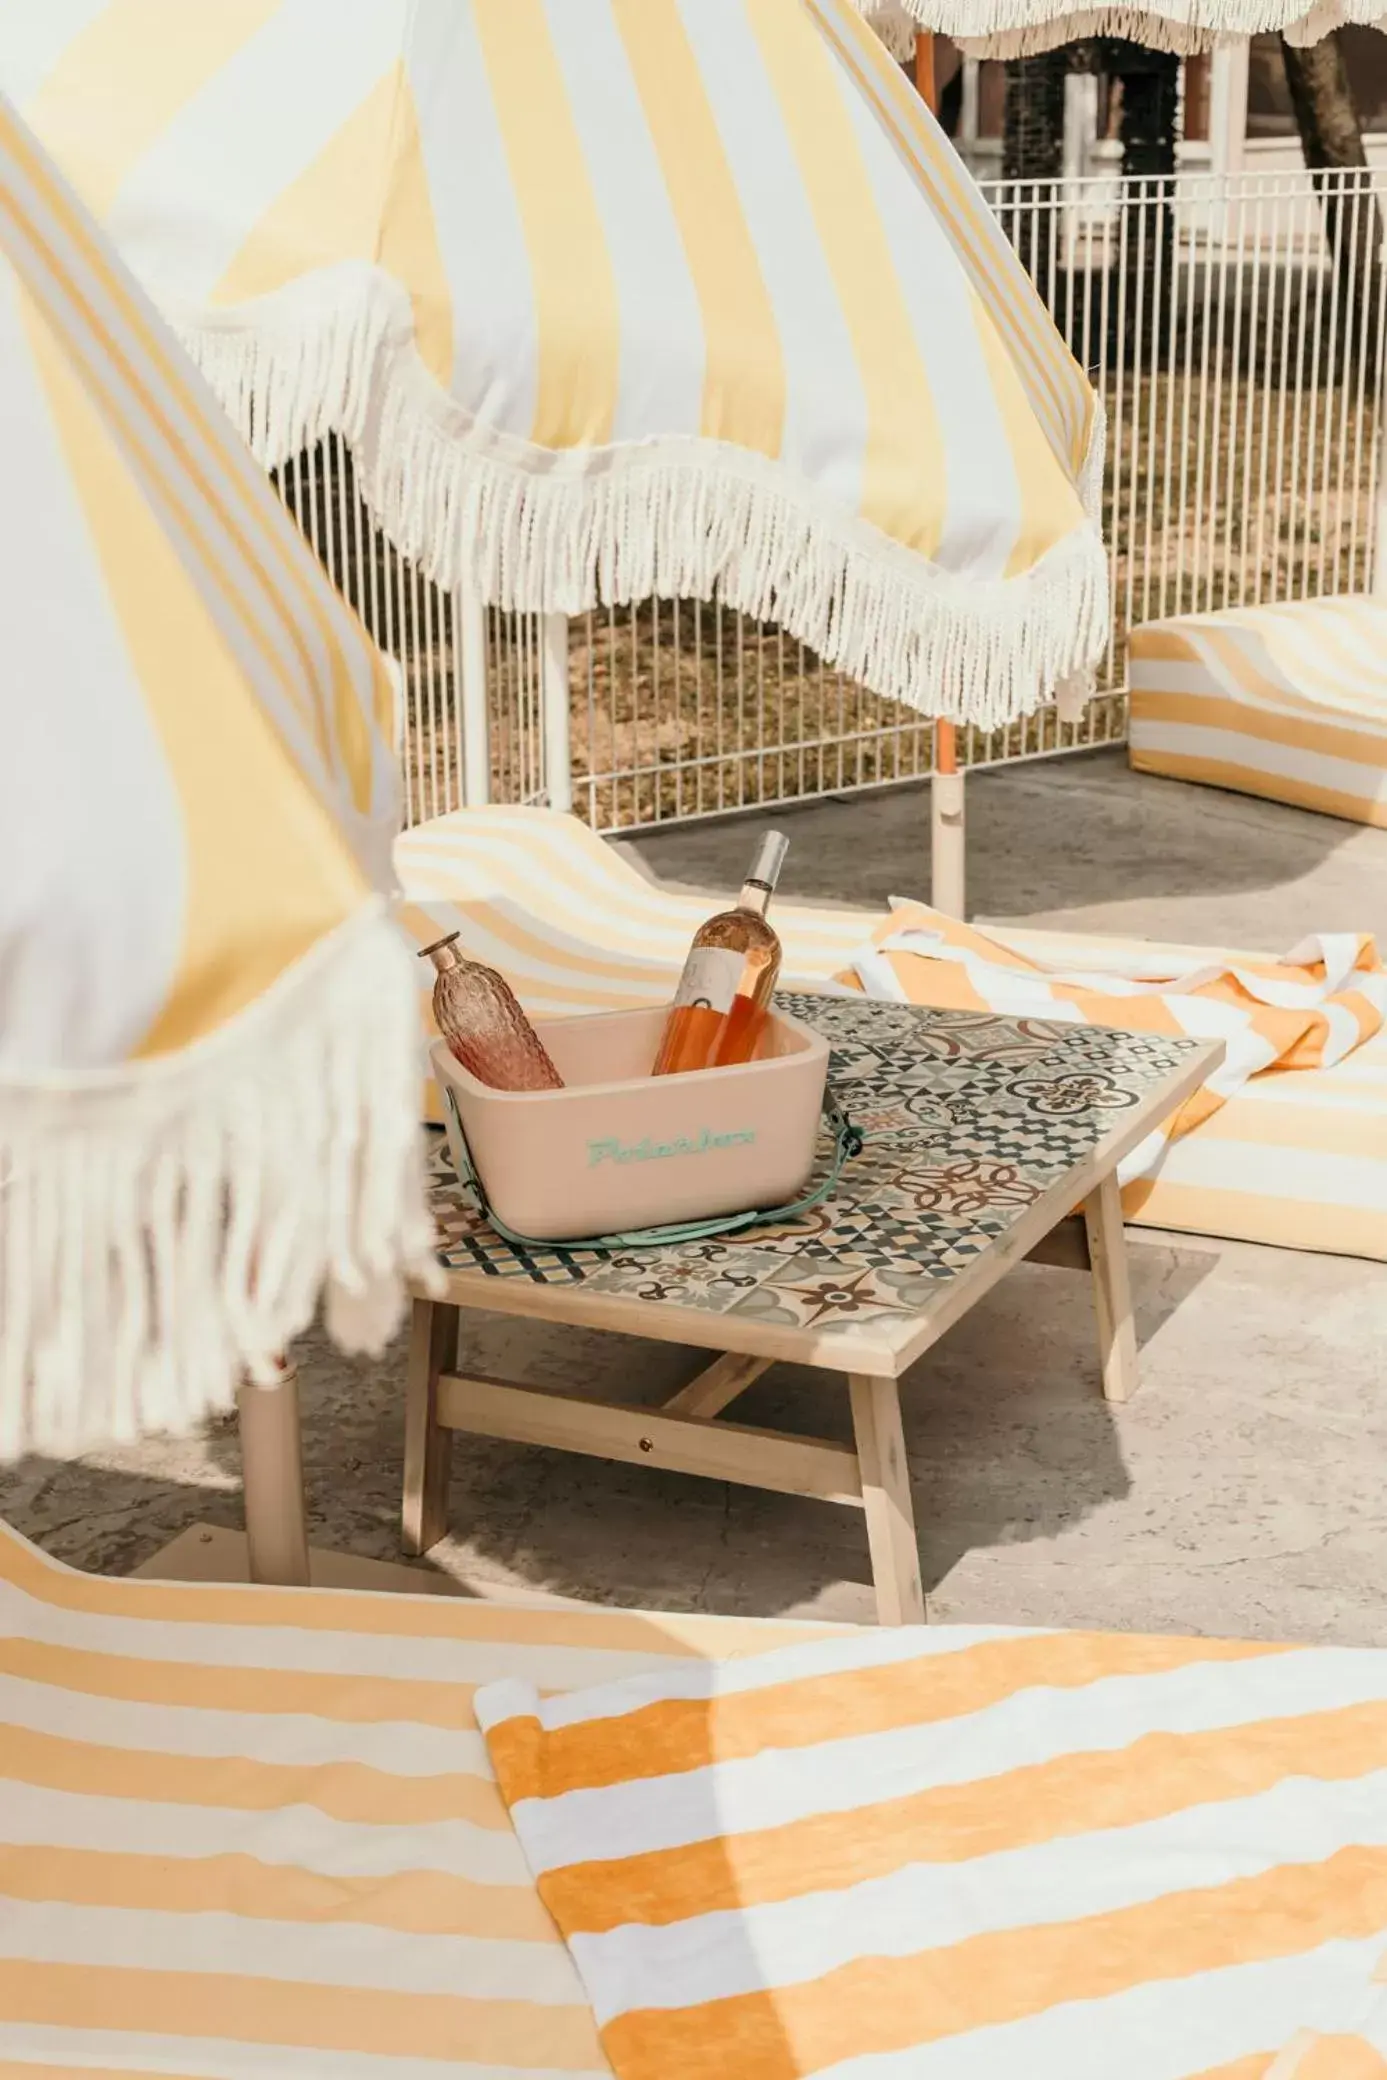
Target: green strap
(847,1142)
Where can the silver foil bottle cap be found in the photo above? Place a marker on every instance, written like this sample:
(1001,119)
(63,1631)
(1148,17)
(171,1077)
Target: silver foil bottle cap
(765,867)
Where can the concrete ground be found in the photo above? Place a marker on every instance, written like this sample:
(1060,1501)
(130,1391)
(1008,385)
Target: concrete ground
(1076,842)
(1243,1491)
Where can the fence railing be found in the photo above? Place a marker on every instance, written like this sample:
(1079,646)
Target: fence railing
(1234,326)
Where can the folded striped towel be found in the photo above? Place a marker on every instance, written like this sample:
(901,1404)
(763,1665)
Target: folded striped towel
(965,1854)
(1308,1010)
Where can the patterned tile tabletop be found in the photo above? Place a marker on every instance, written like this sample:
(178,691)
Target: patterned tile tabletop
(968,1119)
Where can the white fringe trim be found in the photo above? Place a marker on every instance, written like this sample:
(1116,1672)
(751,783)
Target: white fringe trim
(681,518)
(894,24)
(1021,28)
(168,1227)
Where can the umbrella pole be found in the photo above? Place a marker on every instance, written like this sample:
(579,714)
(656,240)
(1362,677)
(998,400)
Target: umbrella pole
(946,788)
(924,71)
(272,1480)
(558,751)
(947,827)
(470,609)
(1379,534)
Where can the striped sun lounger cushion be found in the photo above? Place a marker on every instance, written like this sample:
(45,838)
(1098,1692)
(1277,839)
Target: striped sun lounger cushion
(1297,1158)
(965,1854)
(252,1834)
(570,920)
(1285,701)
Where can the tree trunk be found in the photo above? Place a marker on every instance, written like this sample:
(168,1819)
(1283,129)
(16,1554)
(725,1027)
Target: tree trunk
(1143,307)
(1330,135)
(1033,153)
(1331,140)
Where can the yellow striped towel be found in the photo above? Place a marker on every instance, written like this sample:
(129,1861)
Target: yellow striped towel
(1314,2056)
(1307,1011)
(963,1854)
(1342,2054)
(252,1834)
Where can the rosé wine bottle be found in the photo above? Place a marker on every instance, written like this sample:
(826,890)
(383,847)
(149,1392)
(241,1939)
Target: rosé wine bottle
(724,993)
(476,1012)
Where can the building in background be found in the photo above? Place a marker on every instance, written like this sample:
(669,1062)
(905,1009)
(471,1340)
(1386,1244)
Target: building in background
(1236,114)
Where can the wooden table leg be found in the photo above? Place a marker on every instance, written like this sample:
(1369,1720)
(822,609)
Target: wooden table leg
(715,1388)
(428,1446)
(1112,1292)
(272,1481)
(876,1422)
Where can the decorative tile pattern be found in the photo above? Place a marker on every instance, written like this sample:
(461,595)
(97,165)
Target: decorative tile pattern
(969,1118)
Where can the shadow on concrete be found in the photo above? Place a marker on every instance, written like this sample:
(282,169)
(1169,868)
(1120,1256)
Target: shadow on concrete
(1009,1440)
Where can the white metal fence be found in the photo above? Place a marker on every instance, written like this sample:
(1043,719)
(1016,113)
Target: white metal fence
(1234,326)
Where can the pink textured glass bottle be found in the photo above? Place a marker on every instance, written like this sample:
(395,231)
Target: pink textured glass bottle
(476,1012)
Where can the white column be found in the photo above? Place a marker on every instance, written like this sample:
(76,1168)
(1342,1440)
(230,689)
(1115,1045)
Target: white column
(968,108)
(558,755)
(469,621)
(1228,107)
(1080,123)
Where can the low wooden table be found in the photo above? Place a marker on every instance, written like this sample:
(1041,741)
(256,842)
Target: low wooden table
(984,1134)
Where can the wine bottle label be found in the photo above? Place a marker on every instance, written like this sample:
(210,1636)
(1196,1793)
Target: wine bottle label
(710,978)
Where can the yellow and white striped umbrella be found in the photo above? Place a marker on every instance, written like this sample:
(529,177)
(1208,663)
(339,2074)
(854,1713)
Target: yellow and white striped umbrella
(208,1033)
(611,298)
(1019,28)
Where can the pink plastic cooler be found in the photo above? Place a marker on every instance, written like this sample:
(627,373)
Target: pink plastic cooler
(619,1149)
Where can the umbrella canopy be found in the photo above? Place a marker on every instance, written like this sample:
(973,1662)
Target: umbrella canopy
(1018,28)
(208,1028)
(612,298)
